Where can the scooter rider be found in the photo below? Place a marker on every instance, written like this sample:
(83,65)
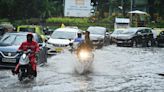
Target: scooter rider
(79,38)
(29,44)
(86,44)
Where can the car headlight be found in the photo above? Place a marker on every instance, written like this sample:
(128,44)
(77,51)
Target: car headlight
(129,41)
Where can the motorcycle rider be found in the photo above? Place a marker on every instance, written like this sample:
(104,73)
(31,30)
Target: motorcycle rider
(29,44)
(86,44)
(79,38)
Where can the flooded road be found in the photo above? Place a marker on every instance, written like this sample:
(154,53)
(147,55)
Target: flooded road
(114,69)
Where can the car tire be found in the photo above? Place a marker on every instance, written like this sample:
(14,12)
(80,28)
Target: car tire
(134,43)
(158,44)
(118,44)
(149,43)
(100,46)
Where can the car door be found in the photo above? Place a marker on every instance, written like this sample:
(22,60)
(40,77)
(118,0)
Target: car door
(139,36)
(149,34)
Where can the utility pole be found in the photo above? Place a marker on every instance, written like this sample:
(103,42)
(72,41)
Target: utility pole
(131,15)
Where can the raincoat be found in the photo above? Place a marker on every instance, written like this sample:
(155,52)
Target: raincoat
(34,48)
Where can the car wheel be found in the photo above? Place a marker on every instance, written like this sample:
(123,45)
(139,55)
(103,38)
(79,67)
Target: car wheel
(100,46)
(158,44)
(149,43)
(134,43)
(118,44)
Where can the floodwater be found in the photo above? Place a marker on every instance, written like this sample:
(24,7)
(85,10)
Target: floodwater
(114,69)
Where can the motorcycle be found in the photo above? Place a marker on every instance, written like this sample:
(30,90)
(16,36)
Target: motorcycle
(84,61)
(25,68)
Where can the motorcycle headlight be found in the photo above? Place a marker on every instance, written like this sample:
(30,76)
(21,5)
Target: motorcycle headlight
(83,54)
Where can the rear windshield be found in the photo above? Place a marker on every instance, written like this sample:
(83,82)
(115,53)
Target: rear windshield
(27,30)
(63,35)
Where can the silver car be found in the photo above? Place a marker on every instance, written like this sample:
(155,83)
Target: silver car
(98,36)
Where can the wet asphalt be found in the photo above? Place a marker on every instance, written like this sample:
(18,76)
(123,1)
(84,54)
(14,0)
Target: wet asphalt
(114,69)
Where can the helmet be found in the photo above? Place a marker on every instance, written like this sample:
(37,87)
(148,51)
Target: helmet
(30,34)
(79,34)
(29,37)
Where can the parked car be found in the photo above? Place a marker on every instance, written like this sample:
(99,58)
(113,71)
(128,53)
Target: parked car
(9,45)
(6,27)
(98,36)
(61,38)
(136,36)
(160,38)
(114,35)
(32,28)
(47,31)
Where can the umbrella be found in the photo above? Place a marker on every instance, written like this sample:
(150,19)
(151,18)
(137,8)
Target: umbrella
(138,12)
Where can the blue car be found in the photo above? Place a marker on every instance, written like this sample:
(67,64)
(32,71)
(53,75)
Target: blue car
(9,45)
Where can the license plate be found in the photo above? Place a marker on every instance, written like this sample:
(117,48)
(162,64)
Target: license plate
(58,49)
(9,60)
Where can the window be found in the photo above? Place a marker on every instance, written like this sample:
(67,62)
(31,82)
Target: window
(141,31)
(27,30)
(148,31)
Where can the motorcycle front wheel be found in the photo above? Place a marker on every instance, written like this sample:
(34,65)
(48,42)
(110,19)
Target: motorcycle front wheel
(20,77)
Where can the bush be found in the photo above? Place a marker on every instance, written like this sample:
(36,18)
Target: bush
(82,23)
(4,20)
(159,24)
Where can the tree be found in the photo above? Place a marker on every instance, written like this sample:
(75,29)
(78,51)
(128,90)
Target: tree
(156,7)
(24,9)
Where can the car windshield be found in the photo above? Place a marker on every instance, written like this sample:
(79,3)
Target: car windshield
(99,31)
(117,32)
(12,39)
(27,30)
(63,35)
(129,31)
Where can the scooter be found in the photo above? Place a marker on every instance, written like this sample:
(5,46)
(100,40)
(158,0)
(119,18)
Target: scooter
(25,68)
(84,61)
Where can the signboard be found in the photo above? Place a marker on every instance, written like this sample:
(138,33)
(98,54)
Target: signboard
(77,8)
(121,23)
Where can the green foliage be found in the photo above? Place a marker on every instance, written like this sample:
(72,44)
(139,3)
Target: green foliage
(82,23)
(25,9)
(68,20)
(4,20)
(159,24)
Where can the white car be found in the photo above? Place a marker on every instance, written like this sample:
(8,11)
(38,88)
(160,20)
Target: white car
(98,35)
(114,35)
(61,38)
